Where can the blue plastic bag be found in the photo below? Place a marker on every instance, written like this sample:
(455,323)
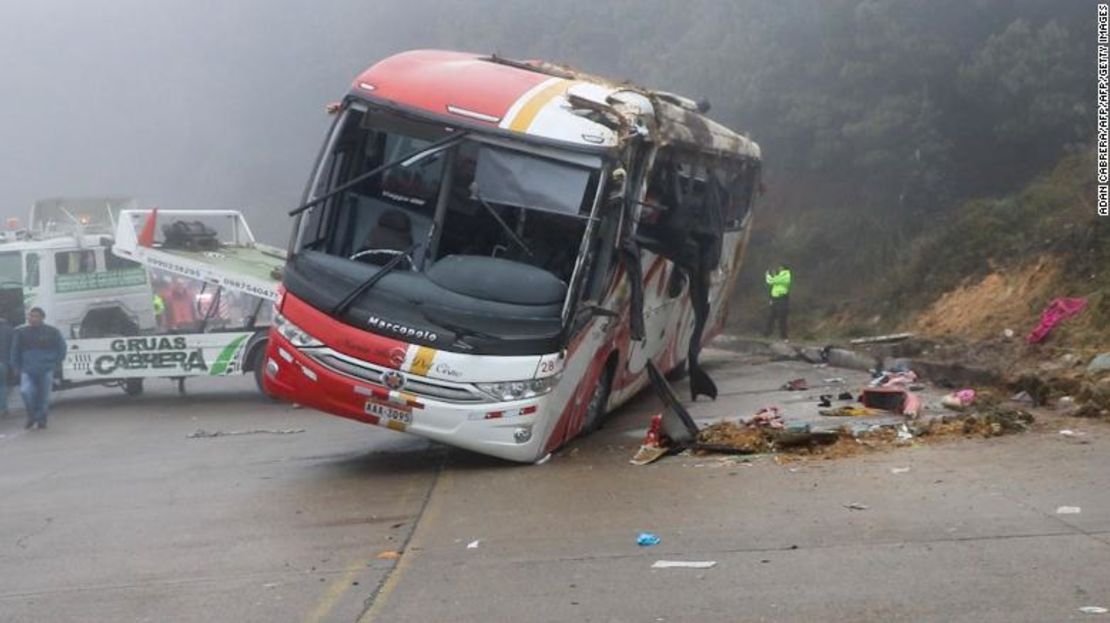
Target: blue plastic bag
(647,539)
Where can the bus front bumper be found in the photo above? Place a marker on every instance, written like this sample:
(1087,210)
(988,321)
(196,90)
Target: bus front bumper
(508,430)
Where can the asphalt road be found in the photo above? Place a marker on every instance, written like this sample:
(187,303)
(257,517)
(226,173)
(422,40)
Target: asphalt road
(115,514)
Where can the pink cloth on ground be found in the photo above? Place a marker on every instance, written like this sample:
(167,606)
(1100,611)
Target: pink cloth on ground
(1056,312)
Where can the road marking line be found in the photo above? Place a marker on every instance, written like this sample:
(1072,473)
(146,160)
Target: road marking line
(338,588)
(428,516)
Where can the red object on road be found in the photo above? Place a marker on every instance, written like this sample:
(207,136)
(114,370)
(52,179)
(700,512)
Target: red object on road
(1057,311)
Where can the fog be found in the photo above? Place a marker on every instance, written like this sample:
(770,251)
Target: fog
(220,104)
(181,104)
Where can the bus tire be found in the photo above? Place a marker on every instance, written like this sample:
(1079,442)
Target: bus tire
(133,387)
(595,410)
(257,359)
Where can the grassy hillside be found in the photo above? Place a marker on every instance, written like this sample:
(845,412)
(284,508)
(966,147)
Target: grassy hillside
(987,265)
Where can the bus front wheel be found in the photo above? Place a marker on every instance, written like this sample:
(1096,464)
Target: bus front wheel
(595,411)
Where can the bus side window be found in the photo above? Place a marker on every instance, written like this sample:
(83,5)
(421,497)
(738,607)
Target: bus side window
(31,274)
(742,189)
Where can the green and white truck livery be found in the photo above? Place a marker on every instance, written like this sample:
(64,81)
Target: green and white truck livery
(81,261)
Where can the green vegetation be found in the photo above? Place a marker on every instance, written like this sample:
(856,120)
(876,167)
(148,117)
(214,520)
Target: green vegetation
(879,121)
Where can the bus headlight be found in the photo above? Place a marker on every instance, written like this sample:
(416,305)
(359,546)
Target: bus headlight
(518,390)
(297,336)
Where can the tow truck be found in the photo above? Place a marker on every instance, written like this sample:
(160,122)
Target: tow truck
(88,265)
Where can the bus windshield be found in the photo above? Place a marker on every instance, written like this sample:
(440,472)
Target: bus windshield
(491,231)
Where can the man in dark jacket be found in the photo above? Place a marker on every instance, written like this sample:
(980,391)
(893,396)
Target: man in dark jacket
(37,349)
(6,349)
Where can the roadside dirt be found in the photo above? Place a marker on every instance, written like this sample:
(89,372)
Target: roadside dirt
(989,421)
(1011,299)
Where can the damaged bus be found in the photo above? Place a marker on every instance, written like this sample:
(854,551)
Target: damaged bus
(490,252)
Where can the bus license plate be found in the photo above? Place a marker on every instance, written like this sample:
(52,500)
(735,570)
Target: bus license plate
(388,412)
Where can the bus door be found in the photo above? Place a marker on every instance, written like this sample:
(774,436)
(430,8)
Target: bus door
(681,221)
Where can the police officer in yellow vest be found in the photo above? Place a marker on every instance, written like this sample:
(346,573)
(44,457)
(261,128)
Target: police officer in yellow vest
(159,310)
(779,283)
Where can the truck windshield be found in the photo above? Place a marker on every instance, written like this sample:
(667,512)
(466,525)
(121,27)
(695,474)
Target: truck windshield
(490,229)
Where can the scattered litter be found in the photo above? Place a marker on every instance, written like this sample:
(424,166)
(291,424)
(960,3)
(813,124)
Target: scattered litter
(684,564)
(1067,432)
(795,385)
(836,380)
(1023,397)
(824,400)
(1066,402)
(852,411)
(899,470)
(959,400)
(1093,610)
(651,449)
(904,434)
(894,399)
(856,506)
(845,396)
(270,585)
(1057,311)
(200,433)
(1068,510)
(879,339)
(389,554)
(473,544)
(769,417)
(646,539)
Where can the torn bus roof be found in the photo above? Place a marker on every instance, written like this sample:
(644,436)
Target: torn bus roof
(543,100)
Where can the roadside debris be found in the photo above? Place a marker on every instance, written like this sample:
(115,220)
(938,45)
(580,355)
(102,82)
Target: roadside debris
(652,448)
(200,433)
(1057,311)
(856,506)
(389,554)
(684,564)
(473,544)
(899,470)
(959,400)
(795,385)
(881,339)
(1069,510)
(850,411)
(769,417)
(1093,610)
(990,422)
(894,399)
(646,539)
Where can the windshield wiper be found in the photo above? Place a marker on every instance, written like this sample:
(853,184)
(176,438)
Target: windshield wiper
(387,268)
(459,331)
(503,224)
(407,160)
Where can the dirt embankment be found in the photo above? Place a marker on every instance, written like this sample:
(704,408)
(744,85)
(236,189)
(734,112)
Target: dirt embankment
(987,307)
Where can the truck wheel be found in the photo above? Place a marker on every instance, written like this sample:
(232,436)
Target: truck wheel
(595,411)
(257,362)
(133,387)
